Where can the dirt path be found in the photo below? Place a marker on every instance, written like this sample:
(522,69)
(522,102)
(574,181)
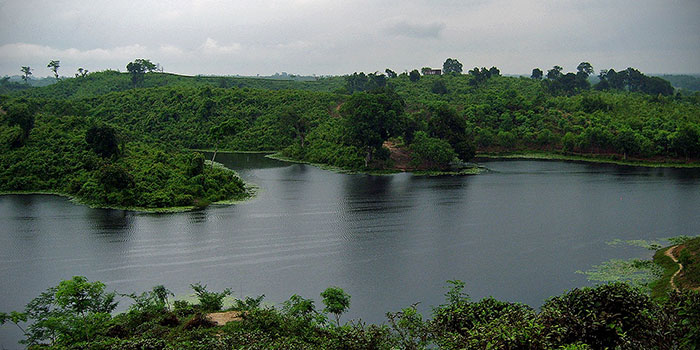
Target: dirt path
(400,156)
(222,318)
(335,112)
(669,253)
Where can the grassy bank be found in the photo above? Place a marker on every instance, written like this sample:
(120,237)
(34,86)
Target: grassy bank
(661,287)
(588,159)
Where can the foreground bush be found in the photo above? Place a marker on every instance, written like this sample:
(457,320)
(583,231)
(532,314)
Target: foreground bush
(76,314)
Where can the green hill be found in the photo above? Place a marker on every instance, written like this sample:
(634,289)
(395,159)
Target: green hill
(434,123)
(100,83)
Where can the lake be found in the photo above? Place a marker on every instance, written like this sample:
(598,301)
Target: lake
(518,232)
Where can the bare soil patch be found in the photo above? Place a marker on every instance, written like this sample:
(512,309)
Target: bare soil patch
(400,156)
(222,318)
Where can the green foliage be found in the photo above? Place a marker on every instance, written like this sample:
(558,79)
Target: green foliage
(370,119)
(609,316)
(451,66)
(361,82)
(57,158)
(153,300)
(21,114)
(488,323)
(439,87)
(414,75)
(74,311)
(196,166)
(336,301)
(431,153)
(103,140)
(247,304)
(138,68)
(614,316)
(683,310)
(210,301)
(410,328)
(688,255)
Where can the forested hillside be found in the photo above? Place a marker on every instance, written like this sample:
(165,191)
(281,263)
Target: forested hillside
(437,122)
(100,83)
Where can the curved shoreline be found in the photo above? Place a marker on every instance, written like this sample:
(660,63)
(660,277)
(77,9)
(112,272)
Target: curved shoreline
(468,171)
(586,159)
(251,191)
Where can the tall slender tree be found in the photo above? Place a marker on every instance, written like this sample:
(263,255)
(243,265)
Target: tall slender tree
(26,71)
(53,65)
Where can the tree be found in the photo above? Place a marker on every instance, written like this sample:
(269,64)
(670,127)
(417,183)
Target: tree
(81,73)
(536,74)
(494,72)
(371,118)
(414,75)
(22,115)
(390,73)
(336,301)
(53,65)
(210,301)
(356,82)
(447,125)
(74,311)
(439,87)
(26,71)
(138,69)
(80,296)
(433,152)
(585,68)
(196,165)
(103,140)
(228,127)
(685,141)
(627,142)
(481,75)
(554,73)
(425,70)
(360,82)
(295,124)
(451,66)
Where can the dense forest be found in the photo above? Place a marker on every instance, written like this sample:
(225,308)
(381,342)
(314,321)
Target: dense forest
(357,122)
(77,314)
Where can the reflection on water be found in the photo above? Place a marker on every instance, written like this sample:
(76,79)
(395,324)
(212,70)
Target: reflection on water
(518,233)
(197,216)
(110,221)
(245,161)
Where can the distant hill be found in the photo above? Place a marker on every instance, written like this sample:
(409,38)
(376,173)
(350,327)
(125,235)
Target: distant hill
(683,81)
(100,83)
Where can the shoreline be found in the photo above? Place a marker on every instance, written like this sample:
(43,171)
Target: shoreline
(585,159)
(379,172)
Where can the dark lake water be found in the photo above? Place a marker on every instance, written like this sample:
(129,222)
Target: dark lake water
(518,233)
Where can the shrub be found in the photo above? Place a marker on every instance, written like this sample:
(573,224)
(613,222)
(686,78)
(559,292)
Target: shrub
(209,301)
(609,316)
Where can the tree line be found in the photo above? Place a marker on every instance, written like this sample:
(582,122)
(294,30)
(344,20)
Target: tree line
(78,314)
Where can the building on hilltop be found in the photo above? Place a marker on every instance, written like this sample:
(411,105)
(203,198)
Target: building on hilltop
(431,71)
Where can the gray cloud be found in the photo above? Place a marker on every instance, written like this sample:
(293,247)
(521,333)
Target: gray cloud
(337,37)
(415,30)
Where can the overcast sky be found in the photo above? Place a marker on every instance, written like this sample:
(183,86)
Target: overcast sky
(339,37)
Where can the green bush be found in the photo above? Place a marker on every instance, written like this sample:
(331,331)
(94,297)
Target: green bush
(432,153)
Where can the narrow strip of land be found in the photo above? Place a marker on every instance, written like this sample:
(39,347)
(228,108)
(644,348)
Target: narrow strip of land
(669,253)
